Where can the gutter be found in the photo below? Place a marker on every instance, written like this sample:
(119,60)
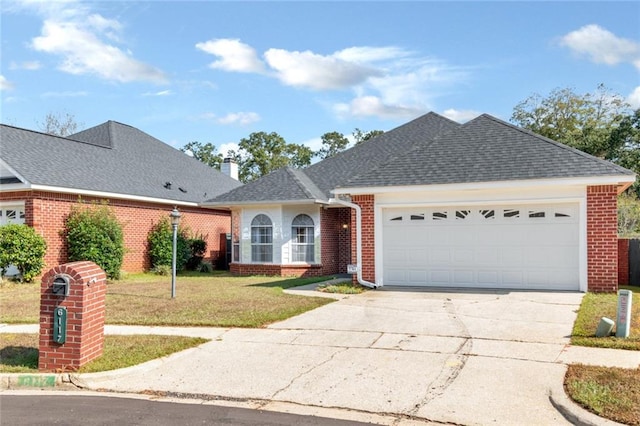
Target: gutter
(358,239)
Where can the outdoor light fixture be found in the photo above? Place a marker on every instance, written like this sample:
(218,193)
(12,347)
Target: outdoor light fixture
(345,226)
(175,221)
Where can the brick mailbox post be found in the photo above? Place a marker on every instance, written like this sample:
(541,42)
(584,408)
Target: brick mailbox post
(72,306)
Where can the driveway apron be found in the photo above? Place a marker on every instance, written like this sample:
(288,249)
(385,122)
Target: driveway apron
(464,357)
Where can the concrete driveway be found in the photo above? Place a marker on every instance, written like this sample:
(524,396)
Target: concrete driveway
(461,357)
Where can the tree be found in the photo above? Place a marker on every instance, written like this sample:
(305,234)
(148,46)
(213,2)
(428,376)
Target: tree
(623,146)
(332,143)
(359,136)
(584,121)
(56,124)
(262,153)
(205,153)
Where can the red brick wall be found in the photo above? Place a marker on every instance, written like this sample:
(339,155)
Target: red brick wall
(276,270)
(366,203)
(602,238)
(85,307)
(335,240)
(46,213)
(623,261)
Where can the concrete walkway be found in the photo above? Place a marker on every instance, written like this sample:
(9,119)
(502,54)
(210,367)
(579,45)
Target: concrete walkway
(388,357)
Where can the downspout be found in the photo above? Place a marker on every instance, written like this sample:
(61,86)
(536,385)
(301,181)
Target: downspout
(358,239)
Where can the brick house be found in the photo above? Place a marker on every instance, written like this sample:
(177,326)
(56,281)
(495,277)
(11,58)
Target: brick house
(142,179)
(437,204)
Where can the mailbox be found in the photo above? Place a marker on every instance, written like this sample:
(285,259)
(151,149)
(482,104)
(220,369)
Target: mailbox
(61,286)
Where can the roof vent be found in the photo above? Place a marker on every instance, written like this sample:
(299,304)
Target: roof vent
(167,185)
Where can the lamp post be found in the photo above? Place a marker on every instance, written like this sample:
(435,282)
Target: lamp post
(175,221)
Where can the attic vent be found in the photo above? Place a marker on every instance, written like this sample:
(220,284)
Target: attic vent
(183,190)
(167,185)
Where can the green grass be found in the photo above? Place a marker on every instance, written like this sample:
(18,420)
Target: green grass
(342,288)
(612,393)
(19,352)
(214,300)
(597,305)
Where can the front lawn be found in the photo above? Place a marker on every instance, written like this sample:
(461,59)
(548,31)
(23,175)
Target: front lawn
(19,352)
(612,393)
(597,305)
(217,300)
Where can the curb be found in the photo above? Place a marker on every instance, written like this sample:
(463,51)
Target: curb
(574,413)
(12,381)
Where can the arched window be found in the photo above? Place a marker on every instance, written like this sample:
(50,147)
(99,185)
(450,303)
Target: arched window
(261,239)
(302,239)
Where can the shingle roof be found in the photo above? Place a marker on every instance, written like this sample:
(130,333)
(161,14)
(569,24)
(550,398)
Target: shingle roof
(319,179)
(483,150)
(334,171)
(114,158)
(285,184)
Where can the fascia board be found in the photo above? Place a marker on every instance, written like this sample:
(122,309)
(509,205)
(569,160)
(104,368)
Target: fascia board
(101,194)
(624,180)
(261,203)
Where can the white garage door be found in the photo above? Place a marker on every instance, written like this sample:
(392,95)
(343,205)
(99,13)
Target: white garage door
(526,246)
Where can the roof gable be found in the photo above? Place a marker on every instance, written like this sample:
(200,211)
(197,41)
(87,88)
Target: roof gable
(483,150)
(113,158)
(283,185)
(335,171)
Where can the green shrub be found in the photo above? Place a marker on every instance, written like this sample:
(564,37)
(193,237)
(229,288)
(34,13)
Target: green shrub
(161,245)
(163,270)
(198,248)
(94,233)
(22,247)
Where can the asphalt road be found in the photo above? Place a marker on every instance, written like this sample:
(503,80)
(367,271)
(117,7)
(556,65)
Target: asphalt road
(72,410)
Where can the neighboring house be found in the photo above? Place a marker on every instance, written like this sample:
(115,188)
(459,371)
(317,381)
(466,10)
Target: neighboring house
(142,179)
(483,204)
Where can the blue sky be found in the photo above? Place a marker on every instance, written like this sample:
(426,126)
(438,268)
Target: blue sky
(215,72)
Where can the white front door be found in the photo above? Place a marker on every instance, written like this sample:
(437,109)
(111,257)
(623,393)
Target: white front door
(494,246)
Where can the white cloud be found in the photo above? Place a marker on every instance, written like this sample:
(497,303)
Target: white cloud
(84,53)
(602,46)
(242,118)
(160,93)
(307,69)
(85,42)
(64,94)
(367,54)
(27,65)
(634,98)
(368,106)
(239,118)
(5,84)
(388,81)
(461,116)
(234,55)
(226,147)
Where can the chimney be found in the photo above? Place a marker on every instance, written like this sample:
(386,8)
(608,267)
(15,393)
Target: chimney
(229,168)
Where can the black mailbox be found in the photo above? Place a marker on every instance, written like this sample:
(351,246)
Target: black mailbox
(60,286)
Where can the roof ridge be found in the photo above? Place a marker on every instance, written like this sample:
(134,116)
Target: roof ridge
(549,141)
(394,157)
(294,174)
